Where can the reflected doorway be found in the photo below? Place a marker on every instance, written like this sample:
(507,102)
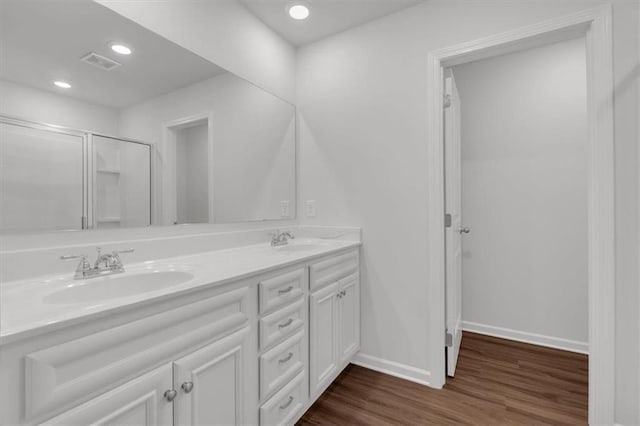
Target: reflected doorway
(192,192)
(190,166)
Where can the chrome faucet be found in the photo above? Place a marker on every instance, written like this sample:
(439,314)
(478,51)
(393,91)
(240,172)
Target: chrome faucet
(106,264)
(280,239)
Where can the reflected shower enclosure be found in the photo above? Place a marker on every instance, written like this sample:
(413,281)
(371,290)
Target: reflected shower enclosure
(61,179)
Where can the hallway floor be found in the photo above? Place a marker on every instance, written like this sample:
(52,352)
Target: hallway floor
(497,382)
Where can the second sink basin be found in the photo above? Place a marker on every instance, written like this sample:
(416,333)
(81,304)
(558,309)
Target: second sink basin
(297,247)
(115,286)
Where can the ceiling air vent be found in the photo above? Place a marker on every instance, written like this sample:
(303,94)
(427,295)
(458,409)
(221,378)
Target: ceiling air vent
(99,61)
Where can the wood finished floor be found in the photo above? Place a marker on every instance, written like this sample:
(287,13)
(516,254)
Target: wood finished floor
(497,382)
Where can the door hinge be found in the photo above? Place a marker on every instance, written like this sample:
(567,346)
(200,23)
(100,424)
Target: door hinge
(448,339)
(447,220)
(447,101)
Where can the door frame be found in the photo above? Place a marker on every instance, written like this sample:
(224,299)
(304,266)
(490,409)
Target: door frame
(168,155)
(596,25)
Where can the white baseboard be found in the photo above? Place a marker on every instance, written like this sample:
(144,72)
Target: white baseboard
(522,336)
(392,368)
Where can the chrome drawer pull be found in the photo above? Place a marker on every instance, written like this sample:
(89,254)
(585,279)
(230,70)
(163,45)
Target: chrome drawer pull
(286,324)
(286,404)
(170,395)
(187,387)
(286,290)
(286,359)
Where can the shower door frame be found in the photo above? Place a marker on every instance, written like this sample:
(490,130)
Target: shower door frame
(92,175)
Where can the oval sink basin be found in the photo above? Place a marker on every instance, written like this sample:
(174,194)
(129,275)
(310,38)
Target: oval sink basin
(293,248)
(112,287)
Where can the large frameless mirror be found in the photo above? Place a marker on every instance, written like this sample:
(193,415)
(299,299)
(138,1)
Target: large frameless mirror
(105,124)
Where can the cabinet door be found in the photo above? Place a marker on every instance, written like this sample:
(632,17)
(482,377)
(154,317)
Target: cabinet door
(349,301)
(210,383)
(136,403)
(324,337)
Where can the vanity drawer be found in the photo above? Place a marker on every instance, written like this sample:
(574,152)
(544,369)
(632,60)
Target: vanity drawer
(333,269)
(276,326)
(280,364)
(280,290)
(284,406)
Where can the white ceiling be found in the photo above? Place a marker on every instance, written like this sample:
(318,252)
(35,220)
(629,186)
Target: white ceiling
(43,41)
(327,17)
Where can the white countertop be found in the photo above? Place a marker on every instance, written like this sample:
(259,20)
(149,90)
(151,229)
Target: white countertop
(25,311)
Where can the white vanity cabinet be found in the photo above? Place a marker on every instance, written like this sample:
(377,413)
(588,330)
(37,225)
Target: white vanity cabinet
(116,369)
(253,351)
(204,388)
(334,318)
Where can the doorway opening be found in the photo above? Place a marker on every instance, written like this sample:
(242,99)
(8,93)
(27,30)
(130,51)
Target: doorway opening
(516,174)
(515,133)
(595,26)
(192,192)
(188,160)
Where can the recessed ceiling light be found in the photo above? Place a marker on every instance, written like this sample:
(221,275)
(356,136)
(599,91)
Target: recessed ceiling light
(299,12)
(62,84)
(121,49)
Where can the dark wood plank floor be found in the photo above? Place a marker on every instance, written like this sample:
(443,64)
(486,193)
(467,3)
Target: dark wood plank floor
(497,382)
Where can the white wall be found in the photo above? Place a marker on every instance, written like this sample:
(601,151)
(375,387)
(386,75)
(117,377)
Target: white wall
(38,105)
(222,31)
(362,108)
(254,143)
(524,192)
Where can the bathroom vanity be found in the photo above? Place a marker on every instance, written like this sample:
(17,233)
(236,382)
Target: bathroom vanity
(182,160)
(249,335)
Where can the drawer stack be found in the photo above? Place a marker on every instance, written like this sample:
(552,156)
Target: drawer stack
(283,346)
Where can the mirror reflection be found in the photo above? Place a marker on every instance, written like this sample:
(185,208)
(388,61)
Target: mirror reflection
(121,128)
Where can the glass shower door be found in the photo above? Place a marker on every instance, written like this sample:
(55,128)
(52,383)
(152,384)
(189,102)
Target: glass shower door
(41,178)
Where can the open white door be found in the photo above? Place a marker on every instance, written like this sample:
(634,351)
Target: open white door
(453,221)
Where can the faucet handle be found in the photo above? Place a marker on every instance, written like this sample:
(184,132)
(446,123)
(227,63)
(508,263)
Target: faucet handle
(83,266)
(115,262)
(129,250)
(73,256)
(274,237)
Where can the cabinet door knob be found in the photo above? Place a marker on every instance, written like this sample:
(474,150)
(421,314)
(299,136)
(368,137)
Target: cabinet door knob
(187,387)
(170,395)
